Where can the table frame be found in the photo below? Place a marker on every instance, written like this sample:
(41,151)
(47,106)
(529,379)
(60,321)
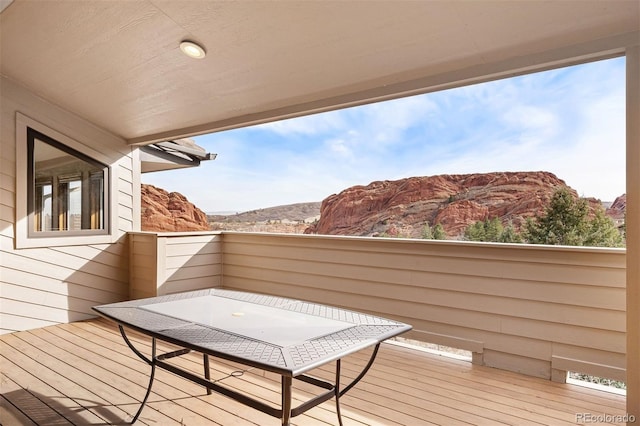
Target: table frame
(286,411)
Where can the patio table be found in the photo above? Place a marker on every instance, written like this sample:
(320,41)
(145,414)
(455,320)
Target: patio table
(285,336)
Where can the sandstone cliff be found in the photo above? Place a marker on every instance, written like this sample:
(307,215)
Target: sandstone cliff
(402,207)
(617,210)
(164,211)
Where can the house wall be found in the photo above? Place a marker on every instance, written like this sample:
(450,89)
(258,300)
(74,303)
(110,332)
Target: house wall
(167,263)
(538,310)
(43,286)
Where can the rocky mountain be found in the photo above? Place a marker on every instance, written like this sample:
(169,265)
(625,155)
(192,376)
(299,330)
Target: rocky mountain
(402,207)
(616,211)
(164,211)
(393,208)
(618,207)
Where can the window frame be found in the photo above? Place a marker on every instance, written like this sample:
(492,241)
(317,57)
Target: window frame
(26,235)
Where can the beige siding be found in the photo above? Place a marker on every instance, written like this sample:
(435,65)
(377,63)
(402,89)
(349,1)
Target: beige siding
(523,308)
(143,262)
(43,286)
(125,198)
(173,262)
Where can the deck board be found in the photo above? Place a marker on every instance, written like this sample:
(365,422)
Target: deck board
(82,373)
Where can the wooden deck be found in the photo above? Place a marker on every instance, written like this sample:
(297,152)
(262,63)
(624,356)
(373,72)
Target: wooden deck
(83,374)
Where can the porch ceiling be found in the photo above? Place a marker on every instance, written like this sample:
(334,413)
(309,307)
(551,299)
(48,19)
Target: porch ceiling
(118,63)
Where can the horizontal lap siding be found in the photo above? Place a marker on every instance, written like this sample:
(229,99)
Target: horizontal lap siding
(44,286)
(165,263)
(143,265)
(192,262)
(523,308)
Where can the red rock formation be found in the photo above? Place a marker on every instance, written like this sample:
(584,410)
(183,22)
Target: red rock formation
(455,215)
(617,210)
(170,212)
(454,201)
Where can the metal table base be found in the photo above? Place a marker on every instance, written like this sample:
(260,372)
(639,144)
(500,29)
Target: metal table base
(285,412)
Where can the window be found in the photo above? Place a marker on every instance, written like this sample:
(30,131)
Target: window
(66,190)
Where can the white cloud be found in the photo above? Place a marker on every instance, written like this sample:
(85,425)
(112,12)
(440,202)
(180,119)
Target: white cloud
(596,166)
(340,147)
(569,122)
(307,125)
(533,119)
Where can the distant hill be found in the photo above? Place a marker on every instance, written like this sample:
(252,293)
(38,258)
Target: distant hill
(290,218)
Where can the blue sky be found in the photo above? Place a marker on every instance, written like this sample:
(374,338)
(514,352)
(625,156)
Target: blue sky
(569,121)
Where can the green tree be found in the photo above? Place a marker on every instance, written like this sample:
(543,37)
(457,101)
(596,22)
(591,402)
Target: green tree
(488,230)
(475,232)
(510,235)
(493,229)
(433,233)
(566,222)
(426,232)
(603,232)
(438,232)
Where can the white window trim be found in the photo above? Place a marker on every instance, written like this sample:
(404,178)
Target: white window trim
(23,240)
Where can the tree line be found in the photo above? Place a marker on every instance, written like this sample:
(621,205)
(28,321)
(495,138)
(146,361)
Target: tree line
(566,221)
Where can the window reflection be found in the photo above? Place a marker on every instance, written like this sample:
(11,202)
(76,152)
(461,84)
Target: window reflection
(68,188)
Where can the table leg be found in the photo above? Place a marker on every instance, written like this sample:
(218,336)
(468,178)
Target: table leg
(286,399)
(146,396)
(337,391)
(207,371)
(151,362)
(363,372)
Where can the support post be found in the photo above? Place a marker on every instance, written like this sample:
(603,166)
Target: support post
(633,230)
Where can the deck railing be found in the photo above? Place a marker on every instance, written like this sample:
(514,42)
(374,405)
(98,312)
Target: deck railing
(538,310)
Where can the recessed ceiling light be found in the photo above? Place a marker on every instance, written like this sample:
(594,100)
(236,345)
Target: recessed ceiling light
(192,50)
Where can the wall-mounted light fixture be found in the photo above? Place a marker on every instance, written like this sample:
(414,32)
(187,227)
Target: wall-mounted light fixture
(192,50)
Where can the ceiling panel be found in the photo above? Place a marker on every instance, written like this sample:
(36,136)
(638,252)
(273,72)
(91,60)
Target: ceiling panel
(118,64)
